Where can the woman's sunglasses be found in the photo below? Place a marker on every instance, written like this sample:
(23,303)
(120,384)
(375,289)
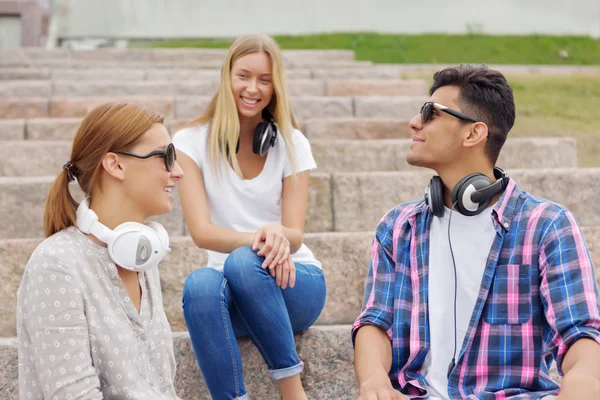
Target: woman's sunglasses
(427,112)
(168,154)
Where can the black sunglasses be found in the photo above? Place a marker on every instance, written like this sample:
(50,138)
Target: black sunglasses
(169,155)
(427,112)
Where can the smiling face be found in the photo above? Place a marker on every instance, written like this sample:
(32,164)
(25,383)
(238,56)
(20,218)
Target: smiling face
(438,142)
(147,181)
(252,84)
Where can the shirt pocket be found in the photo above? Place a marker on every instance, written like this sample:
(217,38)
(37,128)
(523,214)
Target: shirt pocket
(509,299)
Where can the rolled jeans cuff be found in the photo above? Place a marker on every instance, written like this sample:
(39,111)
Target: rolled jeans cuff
(278,374)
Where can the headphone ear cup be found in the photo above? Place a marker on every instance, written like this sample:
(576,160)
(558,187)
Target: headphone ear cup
(162,233)
(259,133)
(435,196)
(461,194)
(136,247)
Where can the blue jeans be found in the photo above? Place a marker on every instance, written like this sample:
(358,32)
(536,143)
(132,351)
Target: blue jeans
(244,300)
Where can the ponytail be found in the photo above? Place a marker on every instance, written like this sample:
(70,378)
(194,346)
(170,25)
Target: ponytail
(60,211)
(107,128)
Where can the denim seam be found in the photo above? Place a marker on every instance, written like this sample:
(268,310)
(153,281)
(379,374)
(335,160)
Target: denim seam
(256,341)
(231,352)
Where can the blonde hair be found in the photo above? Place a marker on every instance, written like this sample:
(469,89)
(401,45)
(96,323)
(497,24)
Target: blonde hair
(107,128)
(221,113)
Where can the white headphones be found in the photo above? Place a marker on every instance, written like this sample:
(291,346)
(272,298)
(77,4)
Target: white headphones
(131,245)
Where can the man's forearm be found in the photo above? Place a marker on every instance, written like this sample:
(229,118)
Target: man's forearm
(372,353)
(582,371)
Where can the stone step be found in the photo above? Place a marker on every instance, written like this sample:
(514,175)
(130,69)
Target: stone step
(178,55)
(327,128)
(149,74)
(371,195)
(186,107)
(205,87)
(341,202)
(326,352)
(38,157)
(136,65)
(345,258)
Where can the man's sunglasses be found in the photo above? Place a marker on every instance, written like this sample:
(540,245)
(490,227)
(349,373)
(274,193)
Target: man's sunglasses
(168,154)
(427,112)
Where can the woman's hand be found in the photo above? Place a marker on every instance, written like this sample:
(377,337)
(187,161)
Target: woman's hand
(276,247)
(284,273)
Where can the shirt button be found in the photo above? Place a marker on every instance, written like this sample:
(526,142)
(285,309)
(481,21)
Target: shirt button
(506,225)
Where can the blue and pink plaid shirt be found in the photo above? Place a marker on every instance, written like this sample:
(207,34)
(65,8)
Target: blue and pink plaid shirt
(537,297)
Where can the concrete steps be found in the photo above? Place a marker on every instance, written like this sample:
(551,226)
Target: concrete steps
(354,113)
(340,202)
(150,72)
(205,87)
(325,350)
(182,107)
(47,157)
(345,258)
(41,56)
(326,128)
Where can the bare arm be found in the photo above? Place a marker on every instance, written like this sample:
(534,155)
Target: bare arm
(372,354)
(197,213)
(281,240)
(581,367)
(372,364)
(293,208)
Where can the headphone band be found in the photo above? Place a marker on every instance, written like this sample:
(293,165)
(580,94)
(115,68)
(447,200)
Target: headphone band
(474,190)
(492,190)
(131,245)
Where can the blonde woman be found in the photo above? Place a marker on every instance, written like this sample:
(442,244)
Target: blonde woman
(245,200)
(90,319)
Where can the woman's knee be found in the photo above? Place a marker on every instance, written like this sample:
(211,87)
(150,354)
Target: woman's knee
(203,286)
(241,262)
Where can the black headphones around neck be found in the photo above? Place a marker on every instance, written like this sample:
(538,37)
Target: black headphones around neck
(471,195)
(265,135)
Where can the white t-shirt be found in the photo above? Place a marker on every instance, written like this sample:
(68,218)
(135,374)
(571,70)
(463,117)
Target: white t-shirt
(472,238)
(246,205)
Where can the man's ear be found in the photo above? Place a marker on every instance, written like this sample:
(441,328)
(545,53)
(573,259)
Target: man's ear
(111,165)
(477,133)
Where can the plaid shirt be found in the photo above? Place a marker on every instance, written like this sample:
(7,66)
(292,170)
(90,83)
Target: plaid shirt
(537,297)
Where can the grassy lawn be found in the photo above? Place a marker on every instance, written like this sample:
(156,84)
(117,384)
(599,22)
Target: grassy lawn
(436,48)
(546,105)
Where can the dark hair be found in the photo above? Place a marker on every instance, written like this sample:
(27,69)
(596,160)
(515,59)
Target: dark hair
(486,96)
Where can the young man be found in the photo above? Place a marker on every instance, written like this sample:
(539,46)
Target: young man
(472,292)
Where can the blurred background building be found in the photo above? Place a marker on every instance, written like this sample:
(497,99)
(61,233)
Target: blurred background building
(90,23)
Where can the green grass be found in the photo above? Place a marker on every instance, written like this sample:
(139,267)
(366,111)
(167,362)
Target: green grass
(436,48)
(560,106)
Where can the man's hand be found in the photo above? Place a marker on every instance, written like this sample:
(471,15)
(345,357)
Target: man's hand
(379,387)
